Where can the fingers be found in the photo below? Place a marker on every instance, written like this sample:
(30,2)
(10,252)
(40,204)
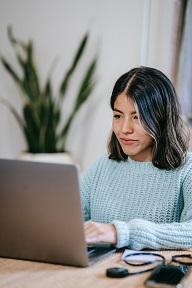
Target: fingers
(92,233)
(99,232)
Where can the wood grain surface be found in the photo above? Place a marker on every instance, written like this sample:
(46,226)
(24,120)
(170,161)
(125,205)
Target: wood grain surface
(26,274)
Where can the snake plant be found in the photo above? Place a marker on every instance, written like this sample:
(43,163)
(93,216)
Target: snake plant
(41,119)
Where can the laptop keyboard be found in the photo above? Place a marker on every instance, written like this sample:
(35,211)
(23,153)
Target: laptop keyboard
(97,253)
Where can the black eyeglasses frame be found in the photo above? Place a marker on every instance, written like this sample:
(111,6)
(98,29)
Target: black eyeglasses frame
(162,260)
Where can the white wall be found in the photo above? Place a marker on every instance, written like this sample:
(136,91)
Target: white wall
(116,28)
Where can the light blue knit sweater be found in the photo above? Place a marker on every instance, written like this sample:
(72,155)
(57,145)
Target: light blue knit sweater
(150,207)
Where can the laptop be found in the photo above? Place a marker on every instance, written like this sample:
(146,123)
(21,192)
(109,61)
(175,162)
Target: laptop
(40,214)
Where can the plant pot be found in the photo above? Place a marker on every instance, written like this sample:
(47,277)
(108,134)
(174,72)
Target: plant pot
(47,157)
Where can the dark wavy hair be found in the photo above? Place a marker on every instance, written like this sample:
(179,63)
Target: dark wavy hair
(159,111)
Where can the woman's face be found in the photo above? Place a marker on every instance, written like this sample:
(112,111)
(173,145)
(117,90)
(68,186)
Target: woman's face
(133,138)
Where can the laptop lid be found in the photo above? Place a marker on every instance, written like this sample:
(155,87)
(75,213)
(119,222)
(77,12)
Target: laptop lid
(40,213)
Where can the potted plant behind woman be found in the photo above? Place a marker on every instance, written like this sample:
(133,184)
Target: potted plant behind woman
(41,121)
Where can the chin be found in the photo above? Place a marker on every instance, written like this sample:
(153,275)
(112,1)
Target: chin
(129,153)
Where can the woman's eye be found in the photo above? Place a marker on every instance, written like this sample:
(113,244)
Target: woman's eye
(116,116)
(136,117)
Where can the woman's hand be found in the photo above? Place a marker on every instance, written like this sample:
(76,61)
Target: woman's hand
(99,232)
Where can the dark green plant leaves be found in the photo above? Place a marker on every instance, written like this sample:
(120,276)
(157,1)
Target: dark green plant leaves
(12,72)
(14,112)
(41,118)
(69,73)
(85,90)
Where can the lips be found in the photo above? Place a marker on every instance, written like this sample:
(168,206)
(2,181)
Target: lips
(128,141)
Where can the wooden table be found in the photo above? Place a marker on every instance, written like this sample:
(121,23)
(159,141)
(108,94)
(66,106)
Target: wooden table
(26,274)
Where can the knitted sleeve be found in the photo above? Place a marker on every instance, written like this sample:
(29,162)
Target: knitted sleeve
(139,233)
(86,186)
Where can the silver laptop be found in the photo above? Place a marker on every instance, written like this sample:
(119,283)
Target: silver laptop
(40,214)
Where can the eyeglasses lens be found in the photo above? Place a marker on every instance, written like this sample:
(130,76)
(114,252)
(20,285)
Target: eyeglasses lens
(143,262)
(183,259)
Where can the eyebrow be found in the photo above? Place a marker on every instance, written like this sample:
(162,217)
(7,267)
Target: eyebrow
(117,110)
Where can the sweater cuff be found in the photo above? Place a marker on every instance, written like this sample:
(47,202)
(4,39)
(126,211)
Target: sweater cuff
(122,233)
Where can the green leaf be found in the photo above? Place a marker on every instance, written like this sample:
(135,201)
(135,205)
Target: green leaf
(80,50)
(32,128)
(86,86)
(48,92)
(14,112)
(85,90)
(12,72)
(15,42)
(30,76)
(78,55)
(31,79)
(30,82)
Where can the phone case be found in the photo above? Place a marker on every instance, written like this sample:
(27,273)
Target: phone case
(166,276)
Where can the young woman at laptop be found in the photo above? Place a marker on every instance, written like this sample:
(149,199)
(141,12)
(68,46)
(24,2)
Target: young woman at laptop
(140,195)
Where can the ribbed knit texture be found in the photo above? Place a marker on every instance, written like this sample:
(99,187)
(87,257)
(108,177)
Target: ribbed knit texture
(150,207)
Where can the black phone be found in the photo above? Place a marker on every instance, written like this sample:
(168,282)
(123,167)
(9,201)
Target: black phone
(166,276)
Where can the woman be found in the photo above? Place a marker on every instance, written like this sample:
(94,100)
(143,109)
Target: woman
(140,195)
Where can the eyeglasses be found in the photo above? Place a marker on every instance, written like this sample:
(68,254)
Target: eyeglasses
(150,261)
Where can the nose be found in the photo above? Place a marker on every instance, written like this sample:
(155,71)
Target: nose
(127,126)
